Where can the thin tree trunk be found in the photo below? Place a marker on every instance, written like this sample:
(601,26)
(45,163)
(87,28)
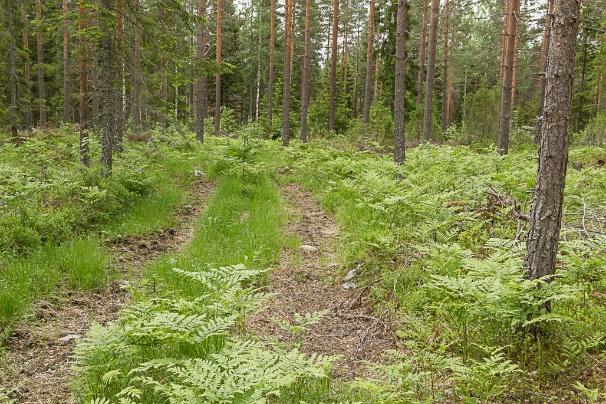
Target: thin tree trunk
(506,92)
(431,70)
(506,22)
(218,75)
(41,82)
(375,86)
(137,79)
(400,81)
(84,152)
(422,45)
(106,96)
(119,130)
(258,87)
(201,84)
(546,211)
(12,66)
(543,67)
(271,79)
(286,83)
(445,87)
(305,75)
(27,72)
(355,78)
(66,80)
(514,66)
(369,46)
(346,46)
(582,89)
(333,65)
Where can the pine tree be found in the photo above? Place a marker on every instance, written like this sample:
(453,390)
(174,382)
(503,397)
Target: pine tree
(82,96)
(218,62)
(305,75)
(400,81)
(42,118)
(66,78)
(201,84)
(422,47)
(286,75)
(12,65)
(333,65)
(431,71)
(271,78)
(29,119)
(369,52)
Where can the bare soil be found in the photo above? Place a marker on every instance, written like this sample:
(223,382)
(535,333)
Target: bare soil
(38,366)
(308,280)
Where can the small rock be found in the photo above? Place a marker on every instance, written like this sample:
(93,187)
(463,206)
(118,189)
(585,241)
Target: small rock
(349,275)
(349,285)
(309,248)
(198,173)
(68,338)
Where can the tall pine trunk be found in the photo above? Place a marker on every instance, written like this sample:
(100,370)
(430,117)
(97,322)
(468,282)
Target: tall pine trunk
(506,92)
(29,120)
(286,75)
(369,46)
(42,118)
(422,47)
(546,211)
(333,65)
(12,66)
(218,62)
(82,97)
(271,78)
(119,86)
(445,87)
(400,81)
(201,84)
(305,75)
(543,66)
(106,94)
(431,71)
(66,80)
(514,66)
(136,73)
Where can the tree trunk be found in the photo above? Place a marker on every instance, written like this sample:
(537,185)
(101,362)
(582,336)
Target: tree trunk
(271,79)
(355,78)
(581,106)
(431,70)
(375,86)
(345,46)
(137,79)
(119,87)
(543,67)
(27,71)
(305,78)
(41,83)
(333,66)
(66,81)
(400,81)
(106,98)
(514,66)
(218,75)
(84,152)
(546,211)
(12,66)
(506,92)
(201,84)
(506,22)
(445,87)
(369,46)
(286,83)
(422,45)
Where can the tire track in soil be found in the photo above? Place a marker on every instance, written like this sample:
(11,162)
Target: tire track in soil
(38,366)
(307,281)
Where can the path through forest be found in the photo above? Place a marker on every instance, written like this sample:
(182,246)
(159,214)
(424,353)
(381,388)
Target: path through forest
(38,366)
(308,281)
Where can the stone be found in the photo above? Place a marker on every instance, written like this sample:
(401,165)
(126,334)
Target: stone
(69,338)
(309,248)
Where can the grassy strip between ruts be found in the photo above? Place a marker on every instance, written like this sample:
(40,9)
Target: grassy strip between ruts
(177,342)
(81,261)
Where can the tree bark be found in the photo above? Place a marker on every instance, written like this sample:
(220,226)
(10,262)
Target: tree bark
(514,66)
(41,81)
(27,72)
(82,115)
(119,87)
(445,87)
(201,84)
(422,45)
(543,67)
(431,70)
(546,211)
(66,80)
(506,22)
(286,83)
(12,66)
(106,98)
(578,123)
(218,63)
(345,45)
(355,78)
(369,51)
(400,81)
(305,75)
(333,66)
(137,79)
(375,86)
(506,92)
(271,78)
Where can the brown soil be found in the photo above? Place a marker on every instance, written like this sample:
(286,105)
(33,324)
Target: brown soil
(309,281)
(38,367)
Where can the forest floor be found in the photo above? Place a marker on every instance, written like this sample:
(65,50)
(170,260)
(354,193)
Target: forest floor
(308,282)
(38,367)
